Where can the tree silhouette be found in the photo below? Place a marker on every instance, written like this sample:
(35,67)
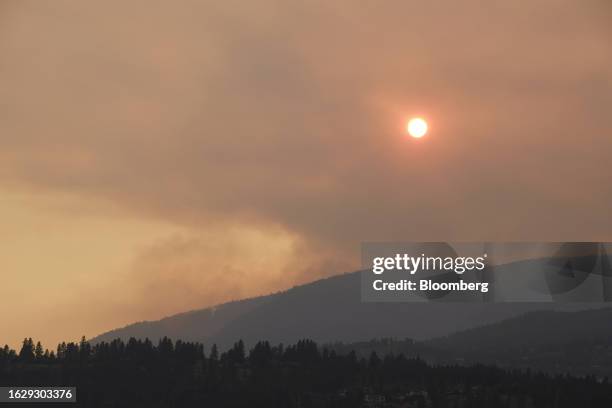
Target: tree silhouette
(26,353)
(178,374)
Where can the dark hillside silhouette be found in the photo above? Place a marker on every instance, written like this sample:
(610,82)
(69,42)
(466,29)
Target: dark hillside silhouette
(326,310)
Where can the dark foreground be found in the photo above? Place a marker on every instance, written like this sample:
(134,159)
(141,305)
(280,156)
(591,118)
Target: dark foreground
(141,374)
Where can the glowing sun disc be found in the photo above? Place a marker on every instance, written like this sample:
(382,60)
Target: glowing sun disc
(417,127)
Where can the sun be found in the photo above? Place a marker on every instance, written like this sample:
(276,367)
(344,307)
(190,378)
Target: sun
(417,127)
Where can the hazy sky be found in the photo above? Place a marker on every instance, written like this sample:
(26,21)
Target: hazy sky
(157,157)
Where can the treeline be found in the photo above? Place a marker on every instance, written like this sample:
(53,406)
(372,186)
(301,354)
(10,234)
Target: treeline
(184,374)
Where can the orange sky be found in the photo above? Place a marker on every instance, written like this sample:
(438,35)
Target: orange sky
(163,156)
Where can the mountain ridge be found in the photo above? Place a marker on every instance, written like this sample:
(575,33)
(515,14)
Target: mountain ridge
(326,310)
